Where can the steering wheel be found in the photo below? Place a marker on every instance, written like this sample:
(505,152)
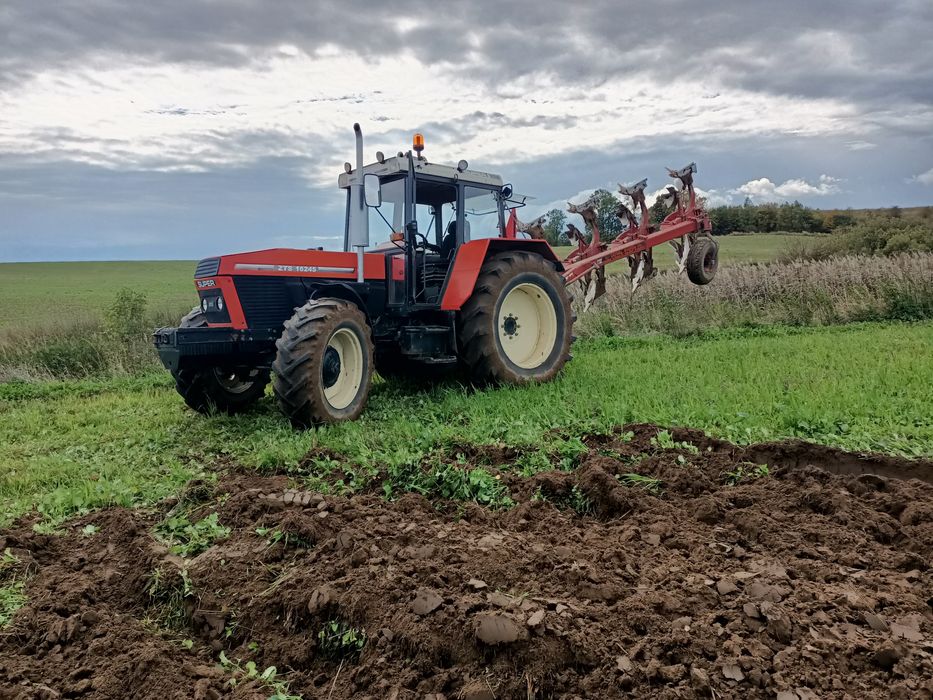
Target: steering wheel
(426,245)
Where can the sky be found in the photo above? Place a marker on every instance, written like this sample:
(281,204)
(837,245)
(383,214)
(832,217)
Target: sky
(185,128)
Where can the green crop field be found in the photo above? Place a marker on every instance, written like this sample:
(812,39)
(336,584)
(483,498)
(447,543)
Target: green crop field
(34,294)
(69,446)
(37,294)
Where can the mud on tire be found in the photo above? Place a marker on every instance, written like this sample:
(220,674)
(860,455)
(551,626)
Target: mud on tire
(703,260)
(517,325)
(324,363)
(215,388)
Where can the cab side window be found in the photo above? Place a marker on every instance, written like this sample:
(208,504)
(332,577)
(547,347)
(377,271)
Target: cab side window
(389,218)
(481,213)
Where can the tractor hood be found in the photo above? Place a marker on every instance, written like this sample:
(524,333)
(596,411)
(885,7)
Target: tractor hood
(285,262)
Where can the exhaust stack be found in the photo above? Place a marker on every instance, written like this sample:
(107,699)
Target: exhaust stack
(359,217)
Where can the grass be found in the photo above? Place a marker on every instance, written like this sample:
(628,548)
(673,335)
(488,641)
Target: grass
(69,446)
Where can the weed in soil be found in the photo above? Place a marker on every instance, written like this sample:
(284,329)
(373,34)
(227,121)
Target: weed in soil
(449,482)
(12,584)
(286,539)
(170,597)
(338,640)
(664,440)
(745,472)
(247,672)
(649,484)
(186,538)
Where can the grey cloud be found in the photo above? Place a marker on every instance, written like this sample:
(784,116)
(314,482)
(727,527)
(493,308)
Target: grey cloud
(861,50)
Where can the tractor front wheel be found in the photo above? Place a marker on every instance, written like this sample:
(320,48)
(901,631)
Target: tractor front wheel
(324,363)
(517,326)
(208,389)
(703,260)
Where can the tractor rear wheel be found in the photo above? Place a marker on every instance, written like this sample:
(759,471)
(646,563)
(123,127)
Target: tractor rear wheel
(517,326)
(703,260)
(324,363)
(216,388)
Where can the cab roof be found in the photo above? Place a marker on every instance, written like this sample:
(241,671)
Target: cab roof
(398,165)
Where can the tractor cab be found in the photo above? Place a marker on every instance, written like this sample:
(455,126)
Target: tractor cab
(418,215)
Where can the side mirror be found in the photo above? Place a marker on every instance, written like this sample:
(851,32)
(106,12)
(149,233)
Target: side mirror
(506,191)
(372,191)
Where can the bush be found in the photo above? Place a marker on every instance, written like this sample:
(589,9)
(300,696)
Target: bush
(125,318)
(877,236)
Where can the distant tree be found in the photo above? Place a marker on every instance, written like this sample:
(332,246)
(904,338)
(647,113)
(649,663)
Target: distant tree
(726,220)
(766,218)
(609,224)
(659,210)
(554,227)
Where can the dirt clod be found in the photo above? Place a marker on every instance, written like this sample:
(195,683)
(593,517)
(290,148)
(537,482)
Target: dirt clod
(498,629)
(426,602)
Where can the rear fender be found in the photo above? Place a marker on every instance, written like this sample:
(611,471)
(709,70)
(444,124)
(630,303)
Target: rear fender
(470,258)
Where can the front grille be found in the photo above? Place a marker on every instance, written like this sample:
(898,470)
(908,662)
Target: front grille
(266,301)
(207,268)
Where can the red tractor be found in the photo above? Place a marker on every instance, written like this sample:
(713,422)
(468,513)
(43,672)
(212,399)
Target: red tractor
(432,276)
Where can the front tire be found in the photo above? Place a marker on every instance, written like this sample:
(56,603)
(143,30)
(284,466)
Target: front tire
(517,326)
(211,389)
(324,363)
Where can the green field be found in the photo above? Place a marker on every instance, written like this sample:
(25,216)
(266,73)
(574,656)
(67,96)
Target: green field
(36,294)
(65,447)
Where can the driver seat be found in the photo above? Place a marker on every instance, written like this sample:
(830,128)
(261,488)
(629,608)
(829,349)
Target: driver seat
(449,242)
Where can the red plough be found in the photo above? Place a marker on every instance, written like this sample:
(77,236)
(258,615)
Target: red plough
(687,229)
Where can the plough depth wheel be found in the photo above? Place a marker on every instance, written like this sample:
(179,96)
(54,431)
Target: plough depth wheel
(702,260)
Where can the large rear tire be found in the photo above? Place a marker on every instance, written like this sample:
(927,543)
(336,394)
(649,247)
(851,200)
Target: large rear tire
(324,363)
(214,389)
(703,260)
(517,326)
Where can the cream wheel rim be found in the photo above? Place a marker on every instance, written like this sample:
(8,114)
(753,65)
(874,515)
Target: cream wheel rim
(342,371)
(527,325)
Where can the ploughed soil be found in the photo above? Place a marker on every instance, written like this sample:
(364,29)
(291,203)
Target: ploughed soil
(812,581)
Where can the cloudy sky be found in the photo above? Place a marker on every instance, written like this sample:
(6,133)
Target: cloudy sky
(185,128)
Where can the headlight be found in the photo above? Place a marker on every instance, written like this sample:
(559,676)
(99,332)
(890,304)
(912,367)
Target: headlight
(204,305)
(220,303)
